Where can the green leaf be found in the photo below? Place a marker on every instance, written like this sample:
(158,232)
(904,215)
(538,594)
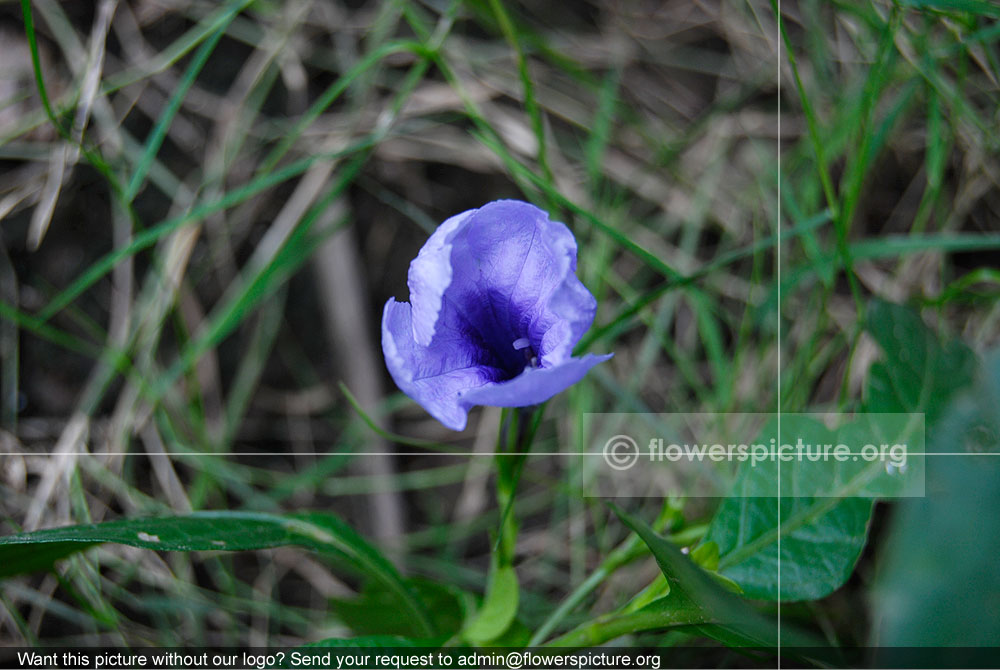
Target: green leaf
(727,617)
(938,577)
(818,552)
(211,531)
(656,590)
(919,374)
(499,607)
(706,555)
(821,537)
(374,611)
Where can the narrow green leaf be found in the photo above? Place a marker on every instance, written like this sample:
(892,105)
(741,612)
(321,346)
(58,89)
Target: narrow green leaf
(530,104)
(159,132)
(36,62)
(600,132)
(211,531)
(706,555)
(172,53)
(727,617)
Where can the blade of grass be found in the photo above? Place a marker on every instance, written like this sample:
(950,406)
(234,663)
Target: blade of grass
(159,132)
(530,104)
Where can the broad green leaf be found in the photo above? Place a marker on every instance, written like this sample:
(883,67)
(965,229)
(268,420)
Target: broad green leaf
(211,531)
(821,537)
(938,579)
(918,374)
(821,540)
(499,607)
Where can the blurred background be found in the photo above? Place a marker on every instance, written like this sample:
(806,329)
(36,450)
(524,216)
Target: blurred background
(204,206)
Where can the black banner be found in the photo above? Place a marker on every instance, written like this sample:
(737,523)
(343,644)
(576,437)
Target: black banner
(457,658)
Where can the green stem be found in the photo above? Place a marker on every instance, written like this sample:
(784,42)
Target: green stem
(611,626)
(517,432)
(624,553)
(629,550)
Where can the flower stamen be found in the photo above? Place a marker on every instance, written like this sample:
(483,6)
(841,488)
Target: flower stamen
(524,344)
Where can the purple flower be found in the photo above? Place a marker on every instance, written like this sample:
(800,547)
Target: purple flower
(495,311)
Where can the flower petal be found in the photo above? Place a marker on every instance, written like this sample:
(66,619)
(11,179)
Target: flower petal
(430,276)
(434,376)
(534,385)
